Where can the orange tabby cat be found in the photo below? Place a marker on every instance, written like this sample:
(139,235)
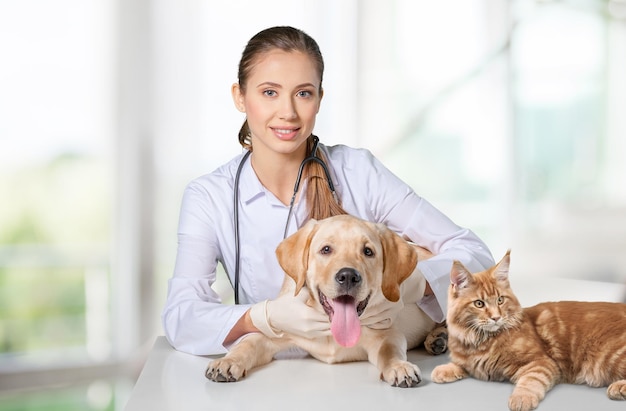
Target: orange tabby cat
(491,337)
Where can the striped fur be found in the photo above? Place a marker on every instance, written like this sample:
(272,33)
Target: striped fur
(492,338)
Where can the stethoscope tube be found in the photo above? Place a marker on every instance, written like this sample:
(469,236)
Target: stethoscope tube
(312,157)
(236,222)
(309,158)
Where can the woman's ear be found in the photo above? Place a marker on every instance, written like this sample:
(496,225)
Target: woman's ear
(238,97)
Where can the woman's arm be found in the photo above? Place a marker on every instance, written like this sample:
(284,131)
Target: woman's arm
(242,327)
(373,192)
(194,318)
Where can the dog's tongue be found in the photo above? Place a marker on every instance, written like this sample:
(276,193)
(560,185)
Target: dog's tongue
(345,325)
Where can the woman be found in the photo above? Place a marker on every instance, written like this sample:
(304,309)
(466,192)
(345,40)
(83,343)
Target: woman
(280,91)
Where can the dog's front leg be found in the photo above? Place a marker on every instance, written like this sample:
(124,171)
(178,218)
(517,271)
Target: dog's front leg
(388,353)
(253,351)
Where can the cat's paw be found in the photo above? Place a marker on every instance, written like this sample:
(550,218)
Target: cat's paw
(402,374)
(437,341)
(617,390)
(523,401)
(225,370)
(447,373)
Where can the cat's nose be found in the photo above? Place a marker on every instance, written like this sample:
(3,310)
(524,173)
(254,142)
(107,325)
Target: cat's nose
(496,318)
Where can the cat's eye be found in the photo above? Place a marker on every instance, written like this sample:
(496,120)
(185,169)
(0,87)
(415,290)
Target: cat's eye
(479,303)
(500,300)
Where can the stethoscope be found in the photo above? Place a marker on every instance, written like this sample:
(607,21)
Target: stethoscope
(312,157)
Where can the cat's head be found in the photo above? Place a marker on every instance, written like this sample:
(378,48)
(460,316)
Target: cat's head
(481,305)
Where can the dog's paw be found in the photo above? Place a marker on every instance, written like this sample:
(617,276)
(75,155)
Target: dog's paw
(223,370)
(437,341)
(403,374)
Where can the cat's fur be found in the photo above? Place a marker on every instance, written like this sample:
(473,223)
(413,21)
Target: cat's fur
(491,337)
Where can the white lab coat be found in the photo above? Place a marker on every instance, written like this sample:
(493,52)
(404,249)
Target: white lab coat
(194,318)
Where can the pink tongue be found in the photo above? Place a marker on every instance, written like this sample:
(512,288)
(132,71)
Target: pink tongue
(345,325)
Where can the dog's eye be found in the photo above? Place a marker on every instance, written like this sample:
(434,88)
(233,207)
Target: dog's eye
(326,250)
(368,252)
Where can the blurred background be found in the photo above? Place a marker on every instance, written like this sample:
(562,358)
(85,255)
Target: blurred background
(508,115)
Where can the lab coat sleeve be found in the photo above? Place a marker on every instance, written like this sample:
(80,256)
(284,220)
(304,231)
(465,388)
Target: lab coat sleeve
(431,229)
(193,323)
(402,210)
(194,319)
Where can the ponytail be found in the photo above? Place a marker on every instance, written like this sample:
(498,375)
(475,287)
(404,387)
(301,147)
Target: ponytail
(322,203)
(244,136)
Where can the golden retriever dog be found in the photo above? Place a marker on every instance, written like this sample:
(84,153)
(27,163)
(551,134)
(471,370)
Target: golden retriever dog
(352,269)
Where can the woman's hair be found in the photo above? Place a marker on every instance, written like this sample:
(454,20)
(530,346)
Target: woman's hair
(319,197)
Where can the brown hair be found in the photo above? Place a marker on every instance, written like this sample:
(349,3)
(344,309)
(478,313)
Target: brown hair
(321,202)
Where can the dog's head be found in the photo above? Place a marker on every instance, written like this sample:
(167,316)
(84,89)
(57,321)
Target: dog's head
(344,261)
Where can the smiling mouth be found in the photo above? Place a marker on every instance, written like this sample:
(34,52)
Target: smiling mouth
(285,133)
(342,299)
(284,130)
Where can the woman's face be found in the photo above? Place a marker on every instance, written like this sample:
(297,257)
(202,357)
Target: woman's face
(281,100)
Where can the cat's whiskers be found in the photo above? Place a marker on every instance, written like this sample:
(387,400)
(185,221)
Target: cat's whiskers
(476,333)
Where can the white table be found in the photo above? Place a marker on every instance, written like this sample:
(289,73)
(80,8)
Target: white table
(172,380)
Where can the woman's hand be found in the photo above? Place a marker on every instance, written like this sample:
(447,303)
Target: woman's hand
(289,314)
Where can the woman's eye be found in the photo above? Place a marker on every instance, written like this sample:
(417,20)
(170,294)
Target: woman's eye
(270,93)
(326,250)
(368,252)
(304,93)
(479,303)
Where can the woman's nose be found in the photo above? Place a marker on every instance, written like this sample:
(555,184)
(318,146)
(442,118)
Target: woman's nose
(288,109)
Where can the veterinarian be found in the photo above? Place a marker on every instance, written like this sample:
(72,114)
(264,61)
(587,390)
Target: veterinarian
(237,215)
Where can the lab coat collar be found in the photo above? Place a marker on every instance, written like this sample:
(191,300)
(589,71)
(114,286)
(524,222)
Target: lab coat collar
(250,188)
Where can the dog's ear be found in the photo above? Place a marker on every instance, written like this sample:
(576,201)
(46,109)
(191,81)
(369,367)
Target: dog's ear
(293,253)
(399,261)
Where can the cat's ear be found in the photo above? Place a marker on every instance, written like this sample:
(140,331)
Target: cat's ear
(501,273)
(459,275)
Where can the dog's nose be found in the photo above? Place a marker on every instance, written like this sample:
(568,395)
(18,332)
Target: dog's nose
(348,278)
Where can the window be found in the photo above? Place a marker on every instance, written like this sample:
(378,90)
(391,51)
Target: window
(57,182)
(506,116)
